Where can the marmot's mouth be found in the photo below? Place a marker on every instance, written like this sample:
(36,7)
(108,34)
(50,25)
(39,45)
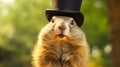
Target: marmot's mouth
(61,35)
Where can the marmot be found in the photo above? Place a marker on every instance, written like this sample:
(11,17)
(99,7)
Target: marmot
(61,43)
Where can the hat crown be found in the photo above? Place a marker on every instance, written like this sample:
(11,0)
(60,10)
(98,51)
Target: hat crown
(67,5)
(70,8)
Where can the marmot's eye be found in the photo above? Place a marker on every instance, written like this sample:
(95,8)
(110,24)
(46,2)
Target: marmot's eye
(52,20)
(72,22)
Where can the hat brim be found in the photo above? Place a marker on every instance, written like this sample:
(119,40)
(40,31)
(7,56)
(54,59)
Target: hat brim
(78,17)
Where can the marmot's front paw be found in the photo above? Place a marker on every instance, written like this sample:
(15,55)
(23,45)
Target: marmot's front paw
(67,57)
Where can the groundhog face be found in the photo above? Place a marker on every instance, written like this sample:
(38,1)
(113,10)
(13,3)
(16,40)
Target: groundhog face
(61,27)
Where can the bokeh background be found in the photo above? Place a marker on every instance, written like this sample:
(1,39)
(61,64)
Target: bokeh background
(21,21)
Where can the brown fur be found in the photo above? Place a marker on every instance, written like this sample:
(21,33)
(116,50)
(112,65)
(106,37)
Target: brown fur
(51,50)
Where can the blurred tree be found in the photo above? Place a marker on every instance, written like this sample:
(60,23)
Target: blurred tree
(114,25)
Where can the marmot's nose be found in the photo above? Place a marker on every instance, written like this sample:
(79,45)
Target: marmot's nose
(62,27)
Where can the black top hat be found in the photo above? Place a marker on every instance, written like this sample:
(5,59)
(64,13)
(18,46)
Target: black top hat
(69,8)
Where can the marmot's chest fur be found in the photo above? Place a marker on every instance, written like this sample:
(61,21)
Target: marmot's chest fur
(61,43)
(61,48)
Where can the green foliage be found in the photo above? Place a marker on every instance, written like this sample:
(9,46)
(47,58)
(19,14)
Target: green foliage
(21,21)
(96,29)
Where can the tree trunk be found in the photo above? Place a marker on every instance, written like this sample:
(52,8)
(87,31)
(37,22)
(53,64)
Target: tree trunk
(114,27)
